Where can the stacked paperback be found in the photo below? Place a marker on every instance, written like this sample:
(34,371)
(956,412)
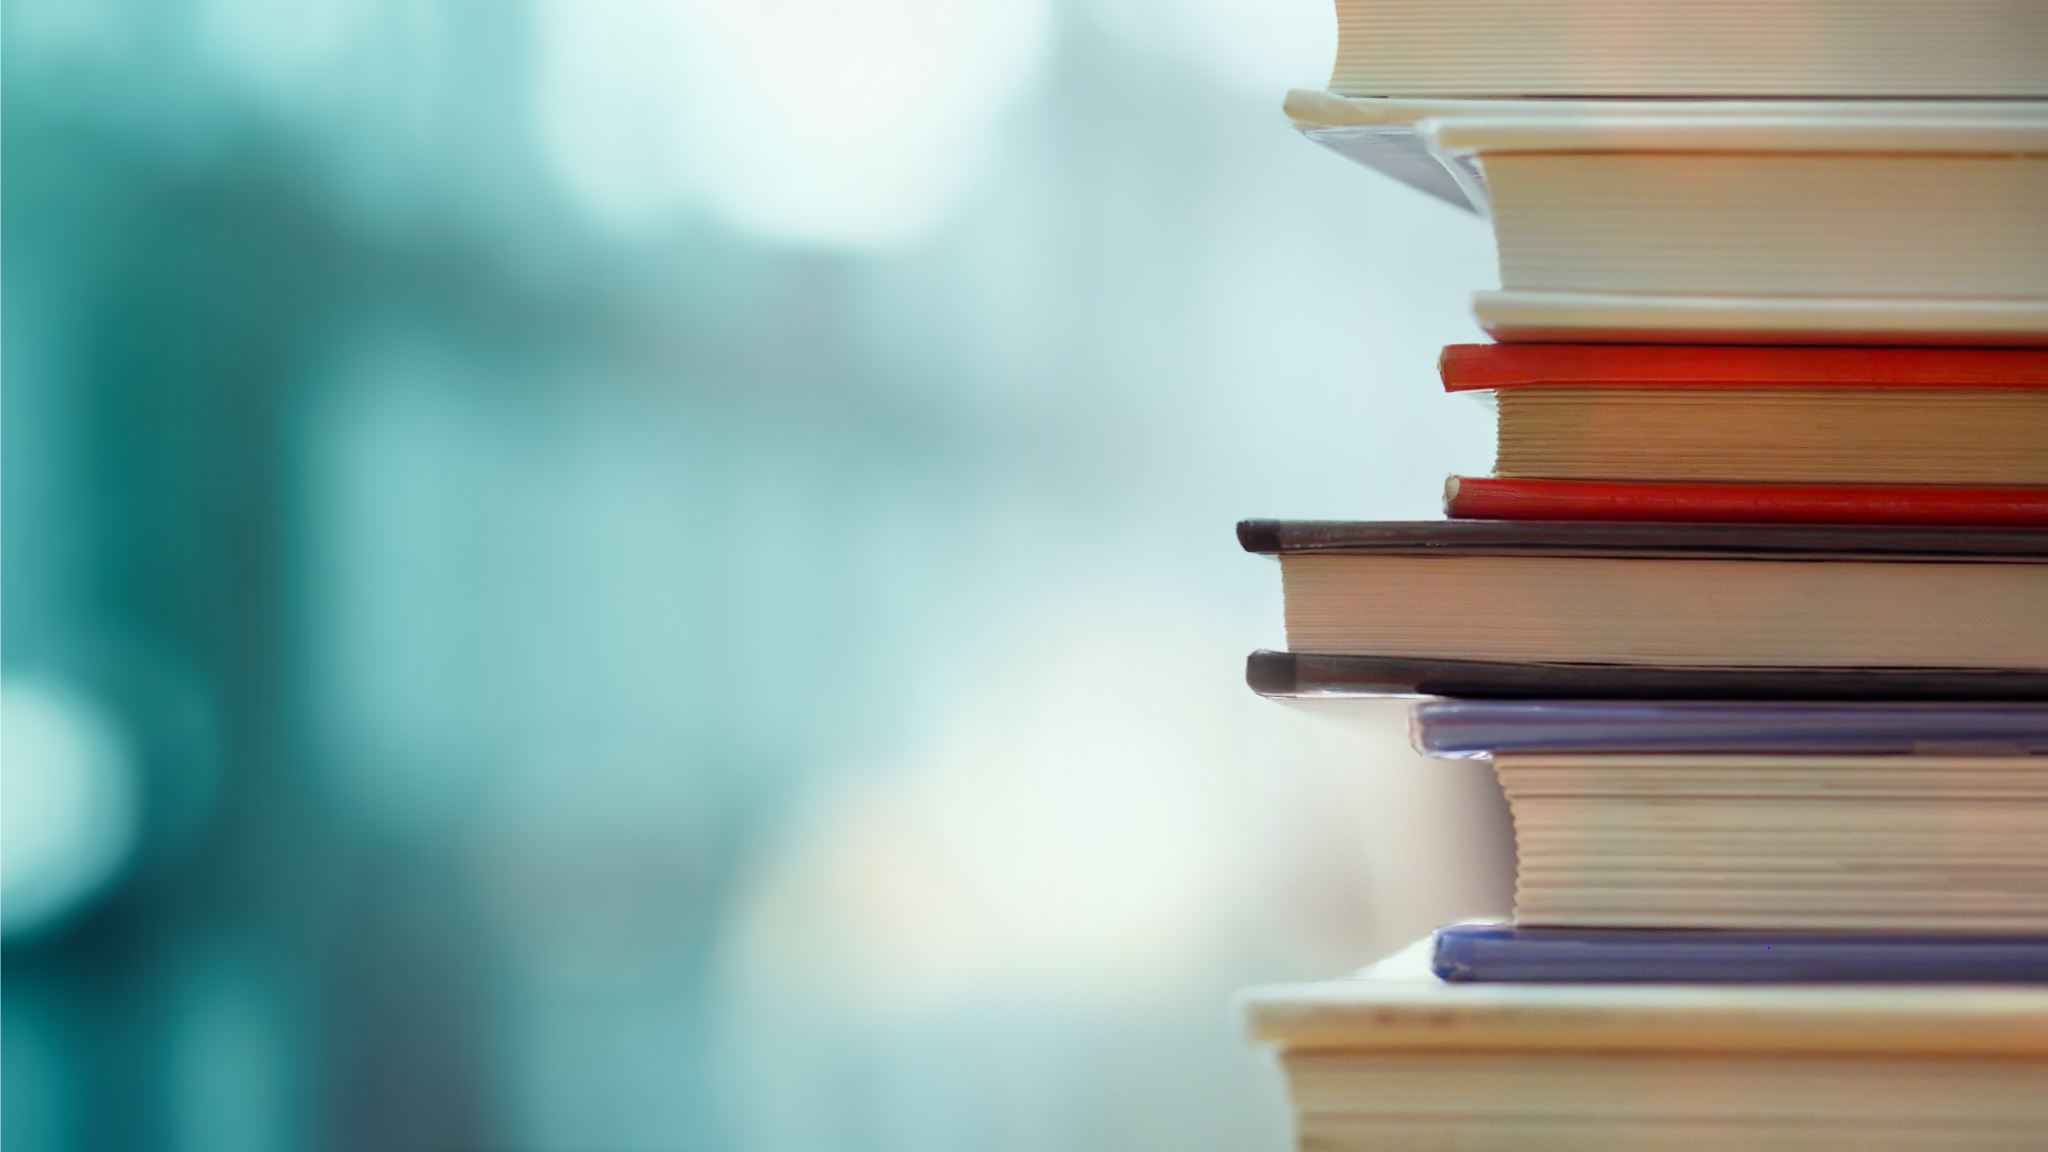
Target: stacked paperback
(1751,618)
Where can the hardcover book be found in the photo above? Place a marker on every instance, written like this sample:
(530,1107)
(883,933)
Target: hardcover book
(1496,953)
(1664,595)
(1394,1058)
(1953,843)
(1710,433)
(1460,728)
(1867,232)
(1393,136)
(1691,48)
(1733,222)
(1339,676)
(1527,498)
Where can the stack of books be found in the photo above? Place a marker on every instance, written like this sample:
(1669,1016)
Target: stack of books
(1752,617)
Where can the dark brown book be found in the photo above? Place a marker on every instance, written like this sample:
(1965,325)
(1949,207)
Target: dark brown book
(1638,538)
(1665,595)
(1289,675)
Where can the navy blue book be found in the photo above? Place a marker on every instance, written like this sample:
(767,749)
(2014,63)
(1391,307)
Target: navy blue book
(1504,954)
(1455,728)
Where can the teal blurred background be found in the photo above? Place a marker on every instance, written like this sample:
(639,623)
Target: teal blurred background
(657,574)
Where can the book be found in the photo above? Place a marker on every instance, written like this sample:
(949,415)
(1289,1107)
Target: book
(1394,1058)
(1690,48)
(1940,843)
(1789,228)
(1524,498)
(1493,953)
(1682,595)
(1488,367)
(1880,222)
(1392,136)
(1712,433)
(1338,677)
(1461,728)
(1767,416)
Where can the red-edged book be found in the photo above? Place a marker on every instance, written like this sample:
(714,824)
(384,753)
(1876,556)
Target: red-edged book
(1495,498)
(1750,434)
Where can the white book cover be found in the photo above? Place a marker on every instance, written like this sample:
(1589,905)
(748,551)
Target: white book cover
(1759,221)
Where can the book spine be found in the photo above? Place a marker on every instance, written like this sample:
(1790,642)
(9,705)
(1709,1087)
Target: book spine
(1492,498)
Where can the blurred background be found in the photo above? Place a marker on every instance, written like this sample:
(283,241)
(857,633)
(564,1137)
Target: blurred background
(657,574)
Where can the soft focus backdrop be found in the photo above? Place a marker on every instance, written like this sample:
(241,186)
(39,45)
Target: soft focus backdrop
(657,574)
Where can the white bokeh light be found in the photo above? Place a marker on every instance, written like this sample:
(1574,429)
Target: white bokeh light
(68,803)
(801,120)
(1044,834)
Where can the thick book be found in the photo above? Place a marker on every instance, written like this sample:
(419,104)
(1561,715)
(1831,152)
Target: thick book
(1313,676)
(1504,953)
(1399,1005)
(1394,1058)
(1664,595)
(1771,229)
(1466,728)
(1828,222)
(1900,432)
(1691,48)
(1953,842)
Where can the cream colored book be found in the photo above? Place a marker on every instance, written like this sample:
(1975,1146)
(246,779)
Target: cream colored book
(1749,221)
(1690,48)
(1677,612)
(1785,228)
(1676,596)
(1828,434)
(1940,844)
(1395,1059)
